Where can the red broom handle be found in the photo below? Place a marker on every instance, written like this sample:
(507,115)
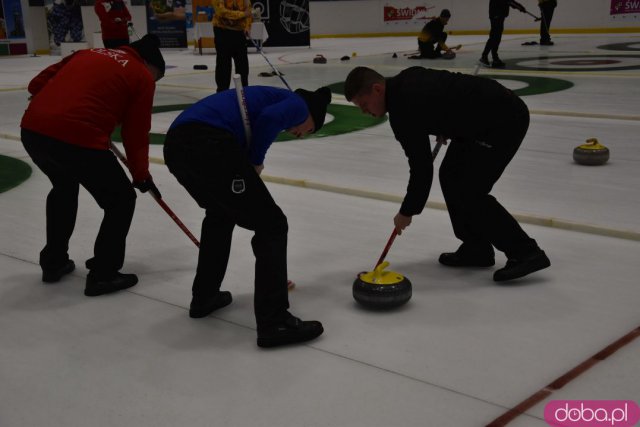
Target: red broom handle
(434,154)
(159,200)
(394,233)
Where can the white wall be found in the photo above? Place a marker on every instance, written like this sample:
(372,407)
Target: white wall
(35,27)
(366,16)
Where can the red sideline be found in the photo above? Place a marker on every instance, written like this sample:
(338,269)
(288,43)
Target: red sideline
(563,380)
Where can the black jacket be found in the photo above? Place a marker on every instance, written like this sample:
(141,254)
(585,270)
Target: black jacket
(500,8)
(435,30)
(423,102)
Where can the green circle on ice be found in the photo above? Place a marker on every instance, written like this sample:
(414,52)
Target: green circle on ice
(13,172)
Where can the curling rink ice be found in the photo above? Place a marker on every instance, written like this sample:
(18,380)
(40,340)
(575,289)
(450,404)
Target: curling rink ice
(464,351)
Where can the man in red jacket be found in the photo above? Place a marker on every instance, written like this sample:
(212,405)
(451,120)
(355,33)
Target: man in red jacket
(66,129)
(114,19)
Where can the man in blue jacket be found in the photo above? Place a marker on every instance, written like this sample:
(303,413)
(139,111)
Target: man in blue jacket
(208,152)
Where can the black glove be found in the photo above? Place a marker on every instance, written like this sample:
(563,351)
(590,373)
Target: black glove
(148,185)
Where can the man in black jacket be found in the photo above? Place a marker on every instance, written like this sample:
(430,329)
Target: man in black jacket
(486,124)
(498,12)
(546,14)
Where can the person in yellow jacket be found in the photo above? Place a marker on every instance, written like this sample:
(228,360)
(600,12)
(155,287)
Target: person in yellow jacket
(231,25)
(432,38)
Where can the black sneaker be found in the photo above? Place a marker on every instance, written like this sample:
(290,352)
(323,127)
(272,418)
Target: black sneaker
(99,285)
(54,275)
(520,267)
(291,331)
(454,259)
(546,43)
(202,307)
(485,61)
(497,63)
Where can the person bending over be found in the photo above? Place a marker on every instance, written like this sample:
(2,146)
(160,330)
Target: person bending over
(209,153)
(75,106)
(483,141)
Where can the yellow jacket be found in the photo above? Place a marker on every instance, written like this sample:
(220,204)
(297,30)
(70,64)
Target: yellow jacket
(230,14)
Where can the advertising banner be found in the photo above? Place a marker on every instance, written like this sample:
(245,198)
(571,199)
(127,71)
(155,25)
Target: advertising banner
(408,13)
(628,10)
(275,22)
(12,35)
(168,20)
(286,21)
(64,23)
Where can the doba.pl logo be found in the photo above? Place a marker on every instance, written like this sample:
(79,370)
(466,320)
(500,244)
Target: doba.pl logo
(592,413)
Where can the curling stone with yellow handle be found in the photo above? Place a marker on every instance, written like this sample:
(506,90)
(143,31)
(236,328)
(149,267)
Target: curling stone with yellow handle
(381,289)
(592,153)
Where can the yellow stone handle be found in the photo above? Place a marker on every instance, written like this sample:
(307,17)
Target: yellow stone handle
(379,270)
(592,144)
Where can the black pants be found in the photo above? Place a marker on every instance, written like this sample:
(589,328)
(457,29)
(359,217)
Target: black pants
(114,43)
(467,174)
(546,13)
(431,49)
(207,161)
(495,37)
(68,166)
(230,45)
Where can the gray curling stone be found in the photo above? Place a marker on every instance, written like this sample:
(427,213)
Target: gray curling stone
(592,153)
(381,289)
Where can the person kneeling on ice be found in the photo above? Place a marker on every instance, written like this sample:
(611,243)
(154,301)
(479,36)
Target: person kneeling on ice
(432,38)
(208,152)
(486,123)
(75,106)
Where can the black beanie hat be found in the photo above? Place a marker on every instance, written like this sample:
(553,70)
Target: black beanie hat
(445,13)
(317,103)
(148,47)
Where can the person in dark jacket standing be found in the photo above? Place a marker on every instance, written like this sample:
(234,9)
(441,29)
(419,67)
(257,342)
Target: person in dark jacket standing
(209,153)
(486,124)
(66,130)
(498,12)
(114,22)
(546,14)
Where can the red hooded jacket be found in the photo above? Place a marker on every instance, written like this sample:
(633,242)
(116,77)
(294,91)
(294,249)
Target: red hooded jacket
(81,99)
(114,18)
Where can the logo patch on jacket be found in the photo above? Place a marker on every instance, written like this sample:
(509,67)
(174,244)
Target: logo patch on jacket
(237,185)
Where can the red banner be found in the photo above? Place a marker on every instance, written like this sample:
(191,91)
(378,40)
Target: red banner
(402,14)
(619,7)
(407,11)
